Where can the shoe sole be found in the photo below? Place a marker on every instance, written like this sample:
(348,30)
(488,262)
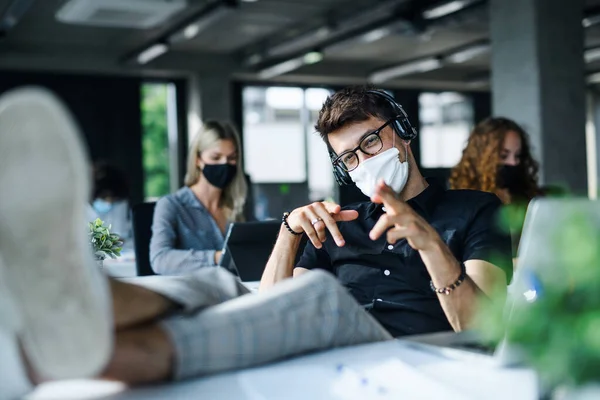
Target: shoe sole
(57,297)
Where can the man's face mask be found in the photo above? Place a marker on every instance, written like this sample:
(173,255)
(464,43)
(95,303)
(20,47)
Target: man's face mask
(386,166)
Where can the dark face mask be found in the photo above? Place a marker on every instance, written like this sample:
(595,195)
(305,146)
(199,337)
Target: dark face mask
(511,177)
(219,175)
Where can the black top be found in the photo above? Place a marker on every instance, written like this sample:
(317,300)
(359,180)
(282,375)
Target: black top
(391,281)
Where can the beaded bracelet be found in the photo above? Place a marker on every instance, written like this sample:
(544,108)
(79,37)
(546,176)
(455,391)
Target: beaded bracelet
(285,223)
(448,289)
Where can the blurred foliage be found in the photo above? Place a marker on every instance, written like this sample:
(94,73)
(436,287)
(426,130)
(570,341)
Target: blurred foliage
(559,331)
(104,243)
(155,140)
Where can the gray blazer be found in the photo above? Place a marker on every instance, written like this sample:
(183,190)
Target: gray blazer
(185,236)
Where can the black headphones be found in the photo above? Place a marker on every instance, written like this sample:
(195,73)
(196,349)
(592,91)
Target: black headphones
(401,126)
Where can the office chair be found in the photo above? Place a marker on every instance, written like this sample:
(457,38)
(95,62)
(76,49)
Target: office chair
(141,218)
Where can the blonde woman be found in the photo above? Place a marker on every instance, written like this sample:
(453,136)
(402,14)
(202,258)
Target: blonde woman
(189,225)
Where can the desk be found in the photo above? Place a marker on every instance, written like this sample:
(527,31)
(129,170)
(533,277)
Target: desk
(379,371)
(122,267)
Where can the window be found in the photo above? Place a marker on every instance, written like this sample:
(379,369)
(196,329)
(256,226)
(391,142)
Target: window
(446,120)
(282,153)
(320,178)
(159,139)
(274,149)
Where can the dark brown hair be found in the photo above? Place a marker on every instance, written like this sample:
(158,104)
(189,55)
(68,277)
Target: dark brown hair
(478,167)
(349,105)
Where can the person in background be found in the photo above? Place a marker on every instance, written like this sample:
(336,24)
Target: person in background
(110,199)
(497,159)
(189,226)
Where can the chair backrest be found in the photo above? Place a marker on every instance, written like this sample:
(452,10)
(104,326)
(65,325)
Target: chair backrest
(141,218)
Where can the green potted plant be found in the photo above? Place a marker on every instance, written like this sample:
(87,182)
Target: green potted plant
(104,244)
(558,331)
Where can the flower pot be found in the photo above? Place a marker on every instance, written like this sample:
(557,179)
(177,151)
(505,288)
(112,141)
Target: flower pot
(100,263)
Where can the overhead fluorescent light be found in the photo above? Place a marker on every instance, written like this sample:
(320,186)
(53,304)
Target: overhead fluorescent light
(300,43)
(591,55)
(254,59)
(447,8)
(212,15)
(152,52)
(593,78)
(467,54)
(375,35)
(590,20)
(414,67)
(312,57)
(478,83)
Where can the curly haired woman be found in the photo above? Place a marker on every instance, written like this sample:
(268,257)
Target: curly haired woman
(498,159)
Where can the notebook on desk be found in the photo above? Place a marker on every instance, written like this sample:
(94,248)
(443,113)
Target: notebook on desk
(247,248)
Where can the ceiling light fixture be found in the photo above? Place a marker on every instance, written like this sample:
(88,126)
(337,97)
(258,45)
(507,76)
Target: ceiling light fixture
(152,52)
(446,8)
(468,53)
(593,78)
(592,18)
(210,16)
(254,59)
(312,57)
(413,67)
(591,55)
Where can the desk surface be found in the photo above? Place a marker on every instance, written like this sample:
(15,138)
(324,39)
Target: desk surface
(389,370)
(122,267)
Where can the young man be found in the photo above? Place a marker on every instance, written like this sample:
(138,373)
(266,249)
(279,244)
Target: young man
(416,256)
(61,318)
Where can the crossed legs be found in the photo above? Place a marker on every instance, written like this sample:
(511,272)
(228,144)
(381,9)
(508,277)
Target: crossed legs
(298,316)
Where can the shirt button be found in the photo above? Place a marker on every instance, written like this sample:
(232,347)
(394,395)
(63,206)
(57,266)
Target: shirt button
(386,272)
(390,247)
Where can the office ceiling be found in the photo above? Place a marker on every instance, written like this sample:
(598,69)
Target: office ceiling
(263,33)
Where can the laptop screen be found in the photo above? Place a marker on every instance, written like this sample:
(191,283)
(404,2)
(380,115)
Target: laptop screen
(248,246)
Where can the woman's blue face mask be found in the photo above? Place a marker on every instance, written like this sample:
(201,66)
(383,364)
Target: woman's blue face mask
(102,206)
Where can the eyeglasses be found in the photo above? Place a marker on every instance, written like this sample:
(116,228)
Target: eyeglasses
(369,145)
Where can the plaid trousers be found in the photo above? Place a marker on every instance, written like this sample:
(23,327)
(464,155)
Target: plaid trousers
(225,327)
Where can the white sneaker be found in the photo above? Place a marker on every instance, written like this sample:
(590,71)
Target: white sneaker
(53,298)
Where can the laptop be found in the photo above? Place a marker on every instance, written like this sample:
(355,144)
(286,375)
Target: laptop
(247,248)
(538,255)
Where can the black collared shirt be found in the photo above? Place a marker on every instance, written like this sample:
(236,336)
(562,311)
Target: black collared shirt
(391,281)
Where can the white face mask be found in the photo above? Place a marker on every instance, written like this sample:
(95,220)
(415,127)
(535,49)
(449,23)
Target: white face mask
(386,166)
